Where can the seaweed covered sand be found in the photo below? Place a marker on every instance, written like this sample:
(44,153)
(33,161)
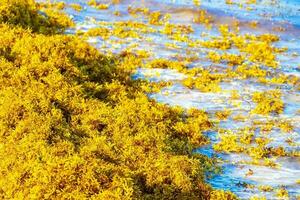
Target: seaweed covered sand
(74,125)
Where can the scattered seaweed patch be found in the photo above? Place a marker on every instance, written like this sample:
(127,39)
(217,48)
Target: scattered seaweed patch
(252,71)
(166,64)
(282,193)
(219,195)
(268,102)
(204,81)
(230,59)
(138,10)
(99,31)
(98,5)
(228,143)
(203,17)
(175,29)
(76,7)
(223,115)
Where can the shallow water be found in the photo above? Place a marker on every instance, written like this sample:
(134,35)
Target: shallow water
(284,13)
